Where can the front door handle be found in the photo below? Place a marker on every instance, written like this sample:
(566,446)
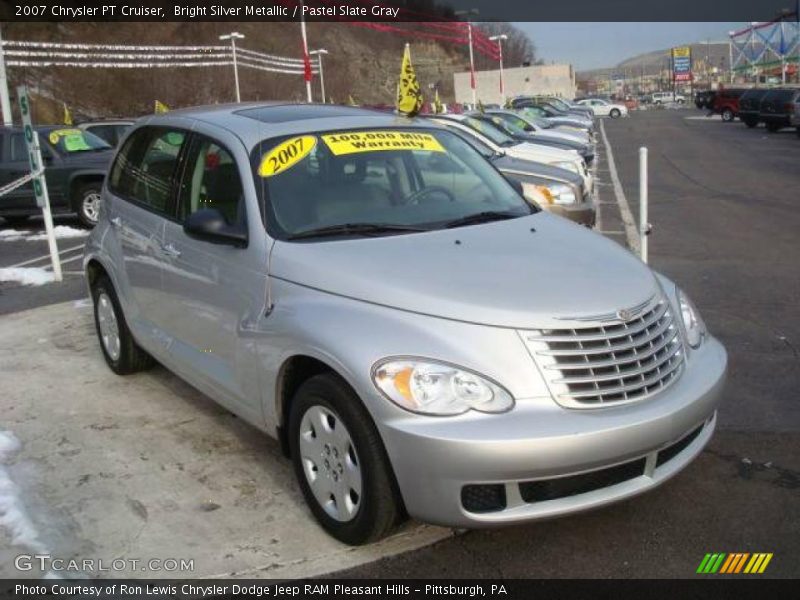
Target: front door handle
(170,251)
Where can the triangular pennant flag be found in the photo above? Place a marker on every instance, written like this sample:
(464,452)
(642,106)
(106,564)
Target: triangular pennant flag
(409,95)
(67,115)
(161,108)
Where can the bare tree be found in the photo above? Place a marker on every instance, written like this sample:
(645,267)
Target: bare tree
(518,49)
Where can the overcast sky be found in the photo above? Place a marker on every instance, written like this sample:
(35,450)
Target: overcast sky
(596,45)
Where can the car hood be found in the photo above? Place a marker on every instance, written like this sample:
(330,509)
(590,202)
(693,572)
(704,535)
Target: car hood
(539,152)
(551,134)
(502,274)
(508,164)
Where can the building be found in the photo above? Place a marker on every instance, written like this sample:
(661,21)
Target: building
(556,80)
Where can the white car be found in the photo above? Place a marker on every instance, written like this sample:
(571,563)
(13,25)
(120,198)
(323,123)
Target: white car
(667,97)
(604,108)
(541,130)
(503,144)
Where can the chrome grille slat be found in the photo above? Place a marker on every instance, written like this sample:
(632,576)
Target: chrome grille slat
(605,363)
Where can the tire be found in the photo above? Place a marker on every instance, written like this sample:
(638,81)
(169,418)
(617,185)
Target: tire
(750,123)
(727,115)
(614,114)
(125,356)
(681,101)
(798,131)
(327,401)
(87,201)
(773,127)
(16,220)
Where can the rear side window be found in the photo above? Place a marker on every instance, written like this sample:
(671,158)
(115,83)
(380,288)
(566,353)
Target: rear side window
(145,167)
(19,150)
(211,180)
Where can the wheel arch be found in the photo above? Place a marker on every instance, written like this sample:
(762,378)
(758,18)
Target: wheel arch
(81,178)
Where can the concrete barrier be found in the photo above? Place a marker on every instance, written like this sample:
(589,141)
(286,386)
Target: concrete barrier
(145,467)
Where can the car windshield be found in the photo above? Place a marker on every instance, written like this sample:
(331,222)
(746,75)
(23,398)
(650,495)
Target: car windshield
(370,182)
(491,131)
(506,125)
(71,141)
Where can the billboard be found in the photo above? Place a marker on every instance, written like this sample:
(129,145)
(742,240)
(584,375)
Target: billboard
(682,63)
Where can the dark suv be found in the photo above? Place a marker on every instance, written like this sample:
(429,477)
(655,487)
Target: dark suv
(777,107)
(726,103)
(75,165)
(750,106)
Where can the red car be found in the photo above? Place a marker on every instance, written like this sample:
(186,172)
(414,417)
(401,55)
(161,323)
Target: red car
(726,103)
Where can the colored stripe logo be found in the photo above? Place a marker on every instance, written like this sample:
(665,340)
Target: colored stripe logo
(734,563)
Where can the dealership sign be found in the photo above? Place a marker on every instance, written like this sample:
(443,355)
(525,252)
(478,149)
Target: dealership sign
(682,63)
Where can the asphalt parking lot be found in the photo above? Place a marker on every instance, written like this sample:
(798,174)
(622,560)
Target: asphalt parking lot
(723,202)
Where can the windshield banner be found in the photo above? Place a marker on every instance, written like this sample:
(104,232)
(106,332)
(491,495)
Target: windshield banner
(373,141)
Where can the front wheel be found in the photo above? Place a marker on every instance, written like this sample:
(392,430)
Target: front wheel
(87,203)
(727,115)
(751,123)
(340,462)
(773,127)
(614,114)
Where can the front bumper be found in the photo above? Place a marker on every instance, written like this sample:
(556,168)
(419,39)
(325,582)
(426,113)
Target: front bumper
(435,458)
(583,214)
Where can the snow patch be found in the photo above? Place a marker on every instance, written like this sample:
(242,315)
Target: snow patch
(12,514)
(27,275)
(61,232)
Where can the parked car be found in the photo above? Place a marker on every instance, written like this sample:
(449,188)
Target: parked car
(556,190)
(112,131)
(552,110)
(777,107)
(422,343)
(541,128)
(567,106)
(667,97)
(566,159)
(705,99)
(726,103)
(584,149)
(561,122)
(604,108)
(795,119)
(75,165)
(750,106)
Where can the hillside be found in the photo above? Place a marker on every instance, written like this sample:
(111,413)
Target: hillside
(362,63)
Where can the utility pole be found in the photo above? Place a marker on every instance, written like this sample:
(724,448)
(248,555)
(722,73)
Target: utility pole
(233,37)
(319,54)
(306,60)
(472,82)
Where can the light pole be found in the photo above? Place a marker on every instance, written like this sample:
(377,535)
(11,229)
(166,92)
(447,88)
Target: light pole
(460,13)
(5,103)
(233,37)
(319,54)
(499,39)
(306,60)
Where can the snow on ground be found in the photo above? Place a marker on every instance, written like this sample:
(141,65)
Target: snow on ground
(60,231)
(12,514)
(26,275)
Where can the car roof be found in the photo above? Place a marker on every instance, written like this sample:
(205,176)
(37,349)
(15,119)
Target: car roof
(282,118)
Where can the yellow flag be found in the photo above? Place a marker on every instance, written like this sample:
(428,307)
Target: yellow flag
(161,108)
(350,101)
(480,106)
(437,104)
(409,96)
(67,115)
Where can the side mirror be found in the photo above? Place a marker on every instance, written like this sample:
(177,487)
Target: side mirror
(209,225)
(516,184)
(528,127)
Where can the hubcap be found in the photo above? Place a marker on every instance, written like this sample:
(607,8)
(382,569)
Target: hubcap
(109,328)
(91,206)
(330,463)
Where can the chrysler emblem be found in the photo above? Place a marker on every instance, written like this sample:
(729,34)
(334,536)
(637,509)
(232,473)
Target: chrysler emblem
(624,314)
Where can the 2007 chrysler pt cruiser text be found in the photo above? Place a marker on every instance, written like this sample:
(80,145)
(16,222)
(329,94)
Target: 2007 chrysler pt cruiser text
(422,340)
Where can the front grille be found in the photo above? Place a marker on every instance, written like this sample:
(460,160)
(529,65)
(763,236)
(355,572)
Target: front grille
(615,363)
(563,487)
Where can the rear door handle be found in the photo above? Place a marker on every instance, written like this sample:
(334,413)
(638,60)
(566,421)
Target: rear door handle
(170,251)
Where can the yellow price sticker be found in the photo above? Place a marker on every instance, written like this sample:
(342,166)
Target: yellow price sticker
(59,133)
(352,142)
(286,154)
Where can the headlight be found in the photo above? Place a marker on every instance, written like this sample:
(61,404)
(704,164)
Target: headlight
(692,321)
(569,166)
(432,388)
(553,193)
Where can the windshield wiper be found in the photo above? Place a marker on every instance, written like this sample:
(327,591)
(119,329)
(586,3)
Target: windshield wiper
(365,229)
(481,217)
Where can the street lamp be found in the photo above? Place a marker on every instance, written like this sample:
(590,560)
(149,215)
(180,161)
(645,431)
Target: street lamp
(319,53)
(233,37)
(461,13)
(499,39)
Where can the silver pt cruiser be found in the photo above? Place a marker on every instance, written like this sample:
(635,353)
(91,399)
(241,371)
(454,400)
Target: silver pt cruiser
(375,294)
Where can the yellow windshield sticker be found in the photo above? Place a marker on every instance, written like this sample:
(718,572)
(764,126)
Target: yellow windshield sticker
(352,142)
(57,134)
(285,155)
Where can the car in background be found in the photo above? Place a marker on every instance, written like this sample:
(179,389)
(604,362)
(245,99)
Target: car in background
(726,103)
(667,97)
(518,133)
(75,164)
(705,99)
(777,107)
(567,106)
(557,121)
(604,108)
(556,190)
(795,119)
(552,110)
(565,159)
(750,106)
(108,130)
(540,127)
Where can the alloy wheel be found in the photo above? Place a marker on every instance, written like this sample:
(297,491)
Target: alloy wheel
(109,327)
